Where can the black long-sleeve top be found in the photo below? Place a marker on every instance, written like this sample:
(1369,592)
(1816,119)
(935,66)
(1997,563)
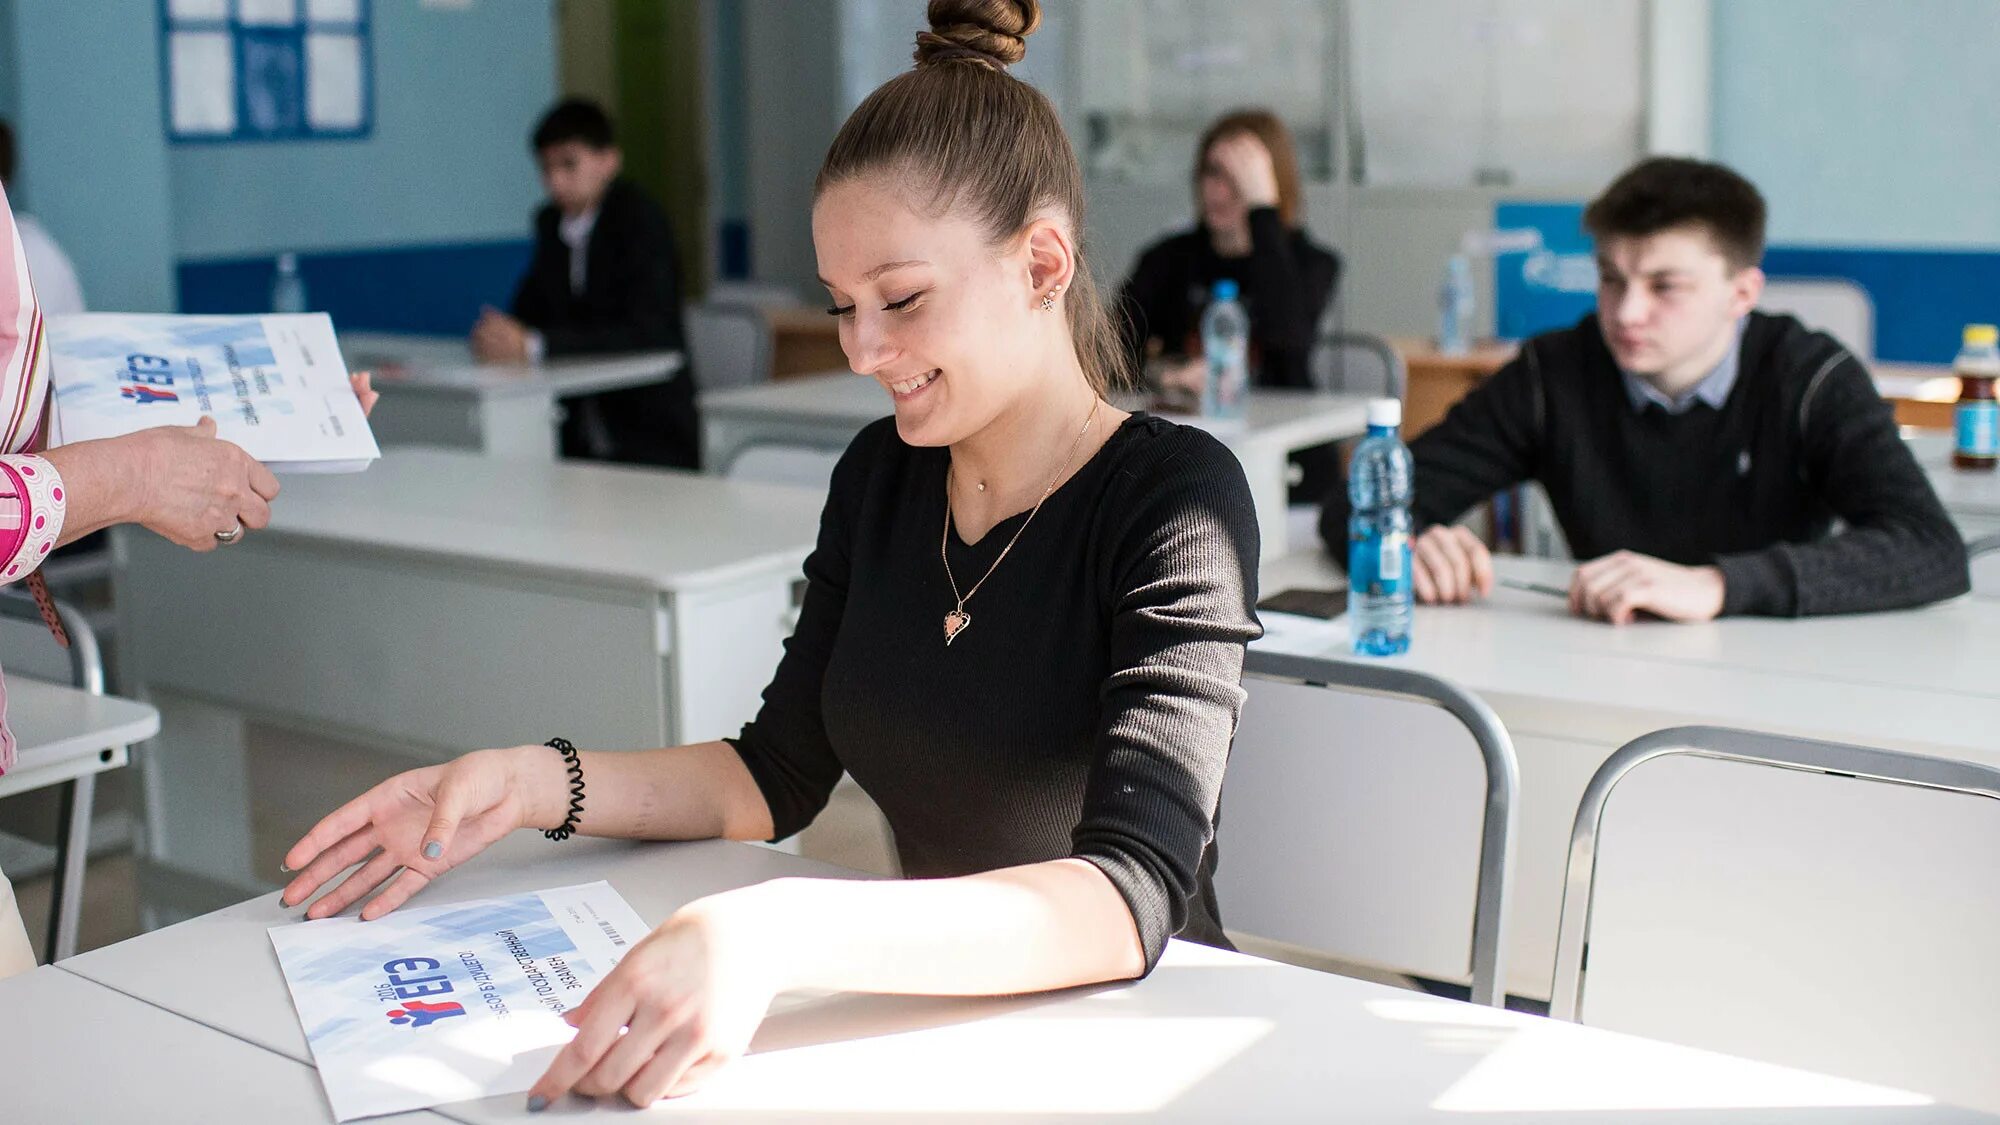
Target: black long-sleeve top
(631,298)
(1286,281)
(1088,708)
(1754,488)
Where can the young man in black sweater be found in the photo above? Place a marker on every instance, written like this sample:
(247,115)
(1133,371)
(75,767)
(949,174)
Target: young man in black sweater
(604,278)
(1706,459)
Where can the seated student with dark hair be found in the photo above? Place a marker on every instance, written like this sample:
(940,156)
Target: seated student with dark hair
(1705,458)
(603,279)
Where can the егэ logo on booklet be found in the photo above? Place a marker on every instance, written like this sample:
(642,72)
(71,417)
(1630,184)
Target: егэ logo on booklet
(405,985)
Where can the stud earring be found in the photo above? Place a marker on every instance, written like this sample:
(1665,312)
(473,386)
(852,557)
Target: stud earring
(1049,299)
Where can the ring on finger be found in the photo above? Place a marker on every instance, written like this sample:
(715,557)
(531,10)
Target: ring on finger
(232,535)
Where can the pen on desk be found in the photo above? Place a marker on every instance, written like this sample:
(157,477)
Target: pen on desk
(1535,588)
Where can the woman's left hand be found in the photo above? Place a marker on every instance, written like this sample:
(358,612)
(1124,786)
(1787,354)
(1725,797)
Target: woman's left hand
(691,994)
(364,390)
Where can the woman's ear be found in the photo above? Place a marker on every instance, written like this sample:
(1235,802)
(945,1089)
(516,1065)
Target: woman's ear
(1051,258)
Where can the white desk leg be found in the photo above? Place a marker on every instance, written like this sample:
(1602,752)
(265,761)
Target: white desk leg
(197,790)
(73,851)
(520,426)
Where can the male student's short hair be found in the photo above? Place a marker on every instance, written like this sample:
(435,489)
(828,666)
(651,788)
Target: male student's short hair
(1665,192)
(575,119)
(6,152)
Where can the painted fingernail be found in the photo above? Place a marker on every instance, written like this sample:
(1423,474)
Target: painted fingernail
(537,1103)
(433,850)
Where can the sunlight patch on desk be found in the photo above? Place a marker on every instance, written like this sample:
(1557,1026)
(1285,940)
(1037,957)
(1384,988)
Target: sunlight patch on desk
(1549,1067)
(951,1069)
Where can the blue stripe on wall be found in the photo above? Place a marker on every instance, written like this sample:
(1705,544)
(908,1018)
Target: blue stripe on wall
(1923,298)
(428,289)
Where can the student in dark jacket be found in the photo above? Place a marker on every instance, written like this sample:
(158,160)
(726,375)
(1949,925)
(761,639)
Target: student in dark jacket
(1706,459)
(603,278)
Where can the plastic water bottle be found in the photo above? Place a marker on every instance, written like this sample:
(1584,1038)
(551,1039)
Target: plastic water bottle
(1379,483)
(1455,307)
(1225,345)
(1976,418)
(288,289)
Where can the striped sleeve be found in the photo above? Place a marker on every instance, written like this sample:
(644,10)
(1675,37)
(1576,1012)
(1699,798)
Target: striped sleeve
(32,498)
(24,363)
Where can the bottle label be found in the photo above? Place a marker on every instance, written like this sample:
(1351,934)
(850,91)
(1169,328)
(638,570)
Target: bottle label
(1379,566)
(1978,428)
(1395,550)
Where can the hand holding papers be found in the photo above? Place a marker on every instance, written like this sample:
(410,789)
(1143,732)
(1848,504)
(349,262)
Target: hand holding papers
(275,385)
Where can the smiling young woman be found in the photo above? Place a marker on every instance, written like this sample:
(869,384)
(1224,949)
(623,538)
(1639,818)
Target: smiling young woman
(1023,631)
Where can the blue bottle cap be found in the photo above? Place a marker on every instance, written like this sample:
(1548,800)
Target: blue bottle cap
(1226,289)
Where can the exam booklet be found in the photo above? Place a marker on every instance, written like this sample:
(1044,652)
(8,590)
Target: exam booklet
(275,385)
(439,1004)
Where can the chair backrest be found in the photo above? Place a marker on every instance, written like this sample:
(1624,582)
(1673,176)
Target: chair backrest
(806,466)
(1357,363)
(1984,553)
(1814,904)
(728,344)
(1833,305)
(1326,753)
(26,648)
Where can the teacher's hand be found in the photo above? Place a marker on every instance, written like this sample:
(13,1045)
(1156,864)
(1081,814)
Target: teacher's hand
(421,823)
(364,389)
(683,1003)
(194,485)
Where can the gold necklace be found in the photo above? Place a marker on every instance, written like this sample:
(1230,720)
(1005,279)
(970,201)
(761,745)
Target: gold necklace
(958,621)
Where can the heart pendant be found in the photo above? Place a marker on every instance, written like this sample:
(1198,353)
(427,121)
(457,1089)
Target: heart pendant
(955,622)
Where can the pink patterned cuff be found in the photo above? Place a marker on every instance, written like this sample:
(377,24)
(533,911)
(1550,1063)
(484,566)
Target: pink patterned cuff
(33,503)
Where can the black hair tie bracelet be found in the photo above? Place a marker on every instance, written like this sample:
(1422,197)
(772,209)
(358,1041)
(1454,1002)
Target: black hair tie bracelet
(567,828)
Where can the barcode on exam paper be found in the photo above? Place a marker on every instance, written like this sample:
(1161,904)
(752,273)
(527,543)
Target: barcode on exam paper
(610,932)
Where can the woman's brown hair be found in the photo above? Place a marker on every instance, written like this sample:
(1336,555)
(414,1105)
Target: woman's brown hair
(967,135)
(1265,126)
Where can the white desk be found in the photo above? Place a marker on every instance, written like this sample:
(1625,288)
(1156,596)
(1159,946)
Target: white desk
(827,410)
(1210,1036)
(1972,498)
(164,1068)
(434,393)
(64,736)
(1571,691)
(444,601)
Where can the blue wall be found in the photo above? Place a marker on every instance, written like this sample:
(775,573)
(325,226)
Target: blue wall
(1874,130)
(93,155)
(402,229)
(10,94)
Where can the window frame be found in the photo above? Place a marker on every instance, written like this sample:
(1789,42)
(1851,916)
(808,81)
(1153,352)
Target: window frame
(361,28)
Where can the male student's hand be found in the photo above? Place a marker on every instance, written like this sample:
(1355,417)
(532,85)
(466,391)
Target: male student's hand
(1621,585)
(1450,566)
(499,338)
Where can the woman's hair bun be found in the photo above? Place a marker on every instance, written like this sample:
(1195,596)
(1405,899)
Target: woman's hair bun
(993,33)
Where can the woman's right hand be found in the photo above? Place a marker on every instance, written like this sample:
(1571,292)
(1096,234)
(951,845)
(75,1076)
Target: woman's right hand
(195,485)
(422,823)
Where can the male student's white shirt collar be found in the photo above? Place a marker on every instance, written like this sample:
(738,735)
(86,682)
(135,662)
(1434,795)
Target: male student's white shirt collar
(574,230)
